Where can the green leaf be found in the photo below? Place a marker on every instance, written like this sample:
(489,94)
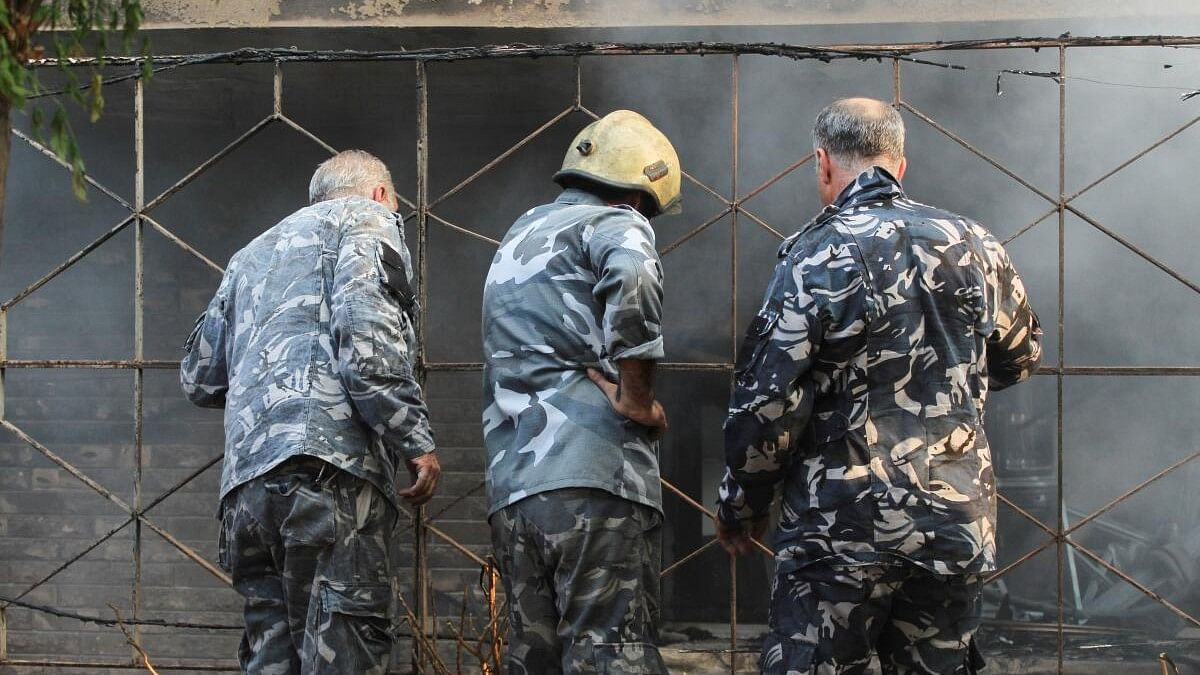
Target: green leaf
(96,102)
(148,63)
(60,133)
(37,118)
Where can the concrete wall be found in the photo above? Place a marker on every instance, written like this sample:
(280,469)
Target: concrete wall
(632,13)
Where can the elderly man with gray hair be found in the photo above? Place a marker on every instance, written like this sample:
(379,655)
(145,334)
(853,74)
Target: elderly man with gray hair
(308,346)
(861,388)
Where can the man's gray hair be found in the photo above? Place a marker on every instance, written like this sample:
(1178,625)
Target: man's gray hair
(350,173)
(857,131)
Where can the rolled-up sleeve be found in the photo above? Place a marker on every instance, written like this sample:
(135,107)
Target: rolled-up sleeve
(629,283)
(373,334)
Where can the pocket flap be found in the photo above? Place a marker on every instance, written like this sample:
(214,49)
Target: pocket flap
(357,599)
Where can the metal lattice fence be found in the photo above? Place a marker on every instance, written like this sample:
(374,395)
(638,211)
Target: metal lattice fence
(735,206)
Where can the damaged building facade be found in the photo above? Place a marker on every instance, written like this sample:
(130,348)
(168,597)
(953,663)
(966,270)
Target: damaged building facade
(1078,154)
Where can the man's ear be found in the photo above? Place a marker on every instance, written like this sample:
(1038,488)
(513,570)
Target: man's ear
(901,168)
(824,167)
(380,194)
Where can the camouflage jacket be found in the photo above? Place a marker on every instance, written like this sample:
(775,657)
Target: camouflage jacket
(308,345)
(574,284)
(862,380)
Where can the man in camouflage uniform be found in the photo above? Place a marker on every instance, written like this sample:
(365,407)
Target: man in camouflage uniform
(861,387)
(308,346)
(572,313)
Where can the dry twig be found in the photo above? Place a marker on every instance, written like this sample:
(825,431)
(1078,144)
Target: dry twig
(132,642)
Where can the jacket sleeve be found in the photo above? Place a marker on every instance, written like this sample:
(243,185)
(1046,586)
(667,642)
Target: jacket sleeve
(1014,348)
(373,333)
(629,282)
(813,296)
(204,370)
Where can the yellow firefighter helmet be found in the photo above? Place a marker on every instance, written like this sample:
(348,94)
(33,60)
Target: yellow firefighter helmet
(625,151)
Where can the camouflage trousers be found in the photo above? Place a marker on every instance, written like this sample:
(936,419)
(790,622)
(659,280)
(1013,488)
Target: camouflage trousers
(309,548)
(829,619)
(580,569)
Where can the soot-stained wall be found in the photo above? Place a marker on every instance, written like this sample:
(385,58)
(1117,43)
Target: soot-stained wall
(1119,311)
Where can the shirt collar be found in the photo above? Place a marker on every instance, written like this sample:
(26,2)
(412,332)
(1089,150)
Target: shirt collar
(873,185)
(577,196)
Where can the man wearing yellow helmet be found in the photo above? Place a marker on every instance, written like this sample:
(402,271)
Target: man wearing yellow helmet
(572,316)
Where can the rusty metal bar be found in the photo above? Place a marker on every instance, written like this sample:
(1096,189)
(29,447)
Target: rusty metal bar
(172,490)
(112,497)
(1132,247)
(775,179)
(90,181)
(702,227)
(3,362)
(68,263)
(209,163)
(139,308)
(313,137)
(861,51)
(115,665)
(1135,158)
(421,529)
(734,151)
(1027,515)
(704,547)
(276,91)
(703,186)
(187,551)
(1062,303)
(1150,593)
(458,228)
(428,524)
(503,156)
(1122,371)
(976,151)
(1129,493)
(1032,225)
(182,244)
(101,364)
(664,365)
(67,466)
(760,222)
(578,85)
(1028,556)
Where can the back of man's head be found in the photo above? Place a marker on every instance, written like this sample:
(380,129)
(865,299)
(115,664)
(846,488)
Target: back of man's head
(859,133)
(350,173)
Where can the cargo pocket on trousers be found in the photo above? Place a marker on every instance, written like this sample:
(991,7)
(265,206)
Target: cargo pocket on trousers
(355,628)
(782,655)
(634,658)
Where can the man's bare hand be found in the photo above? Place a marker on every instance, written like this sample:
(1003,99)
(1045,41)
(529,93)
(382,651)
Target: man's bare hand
(736,540)
(425,472)
(653,416)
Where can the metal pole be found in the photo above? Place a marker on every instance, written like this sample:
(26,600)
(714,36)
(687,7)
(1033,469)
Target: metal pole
(733,298)
(420,533)
(1062,267)
(139,305)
